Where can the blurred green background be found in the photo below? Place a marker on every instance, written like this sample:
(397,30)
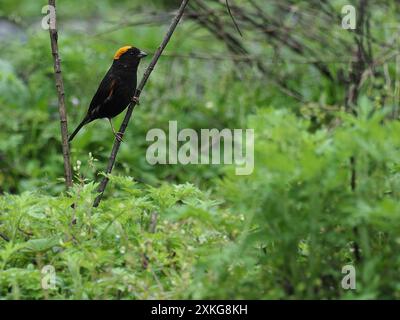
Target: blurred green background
(284,232)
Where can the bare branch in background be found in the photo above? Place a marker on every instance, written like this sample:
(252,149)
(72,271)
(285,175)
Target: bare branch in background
(61,97)
(300,31)
(233,19)
(139,89)
(210,19)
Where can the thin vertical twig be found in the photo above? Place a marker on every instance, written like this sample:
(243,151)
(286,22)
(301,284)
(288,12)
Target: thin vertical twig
(153,222)
(61,95)
(233,19)
(396,98)
(358,67)
(132,105)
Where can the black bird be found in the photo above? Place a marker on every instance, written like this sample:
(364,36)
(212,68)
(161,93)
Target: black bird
(117,88)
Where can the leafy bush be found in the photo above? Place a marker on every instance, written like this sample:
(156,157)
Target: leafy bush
(114,251)
(303,220)
(284,232)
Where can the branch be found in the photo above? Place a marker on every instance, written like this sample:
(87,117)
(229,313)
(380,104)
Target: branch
(61,95)
(233,19)
(132,105)
(211,21)
(153,222)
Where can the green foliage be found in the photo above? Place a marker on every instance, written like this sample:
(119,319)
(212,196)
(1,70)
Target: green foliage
(303,221)
(285,231)
(108,252)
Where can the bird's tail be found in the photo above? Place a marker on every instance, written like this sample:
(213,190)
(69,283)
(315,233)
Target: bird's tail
(84,121)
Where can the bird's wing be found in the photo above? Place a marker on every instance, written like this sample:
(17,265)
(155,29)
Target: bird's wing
(104,93)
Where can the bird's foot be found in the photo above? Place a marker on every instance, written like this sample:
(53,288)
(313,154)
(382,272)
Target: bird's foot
(136,100)
(119,136)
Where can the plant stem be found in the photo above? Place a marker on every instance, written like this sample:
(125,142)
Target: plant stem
(61,96)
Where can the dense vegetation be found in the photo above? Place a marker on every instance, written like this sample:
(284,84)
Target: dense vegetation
(200,231)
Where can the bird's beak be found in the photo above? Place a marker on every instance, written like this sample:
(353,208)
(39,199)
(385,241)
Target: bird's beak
(142,54)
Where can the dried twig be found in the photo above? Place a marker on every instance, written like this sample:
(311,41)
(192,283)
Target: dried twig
(139,89)
(233,19)
(61,96)
(153,222)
